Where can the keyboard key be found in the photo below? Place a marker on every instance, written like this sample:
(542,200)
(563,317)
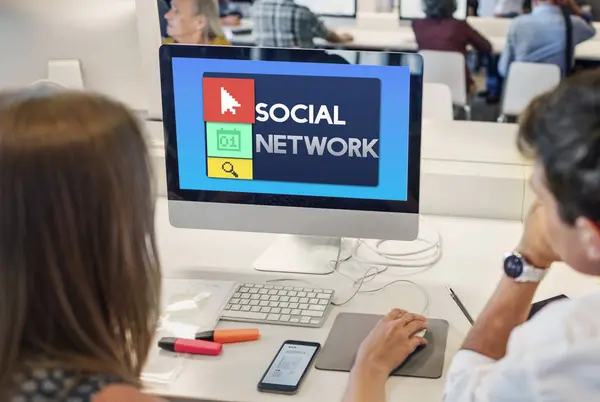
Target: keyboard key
(236,295)
(324,302)
(265,297)
(228,307)
(310,313)
(272,292)
(311,295)
(247,285)
(274,298)
(263,303)
(313,301)
(317,307)
(273,317)
(273,304)
(296,312)
(315,321)
(244,302)
(282,293)
(304,300)
(278,287)
(254,290)
(301,294)
(295,319)
(276,310)
(294,299)
(246,308)
(265,310)
(236,307)
(292,293)
(328,291)
(254,302)
(305,320)
(263,291)
(269,286)
(303,306)
(284,304)
(258,286)
(244,290)
(255,297)
(294,305)
(246,296)
(285,298)
(234,301)
(255,309)
(286,311)
(323,296)
(288,288)
(284,318)
(298,289)
(246,315)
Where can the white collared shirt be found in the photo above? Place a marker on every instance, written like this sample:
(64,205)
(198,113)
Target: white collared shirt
(555,357)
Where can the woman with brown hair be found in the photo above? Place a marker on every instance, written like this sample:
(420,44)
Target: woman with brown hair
(79,273)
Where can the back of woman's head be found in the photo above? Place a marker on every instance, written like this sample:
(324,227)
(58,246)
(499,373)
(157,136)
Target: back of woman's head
(439,8)
(210,10)
(79,276)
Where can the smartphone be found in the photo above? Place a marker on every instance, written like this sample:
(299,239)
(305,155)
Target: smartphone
(536,307)
(288,368)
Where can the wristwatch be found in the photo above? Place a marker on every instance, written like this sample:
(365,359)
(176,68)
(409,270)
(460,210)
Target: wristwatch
(516,267)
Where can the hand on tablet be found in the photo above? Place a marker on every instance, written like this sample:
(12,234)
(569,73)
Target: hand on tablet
(391,341)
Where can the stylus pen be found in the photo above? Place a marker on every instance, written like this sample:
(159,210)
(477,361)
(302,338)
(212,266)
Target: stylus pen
(460,305)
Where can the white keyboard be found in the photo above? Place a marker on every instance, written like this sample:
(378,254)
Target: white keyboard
(281,305)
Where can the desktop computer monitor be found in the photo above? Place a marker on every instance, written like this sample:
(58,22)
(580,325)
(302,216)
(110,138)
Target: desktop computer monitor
(331,8)
(292,141)
(100,37)
(413,9)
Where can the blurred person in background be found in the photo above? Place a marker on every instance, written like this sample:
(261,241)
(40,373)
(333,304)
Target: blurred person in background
(540,37)
(284,23)
(194,22)
(439,30)
(229,13)
(80,277)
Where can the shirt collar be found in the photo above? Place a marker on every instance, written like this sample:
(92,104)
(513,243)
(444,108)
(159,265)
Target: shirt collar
(545,8)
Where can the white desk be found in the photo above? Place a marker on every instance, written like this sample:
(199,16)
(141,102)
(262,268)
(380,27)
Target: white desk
(471,265)
(402,39)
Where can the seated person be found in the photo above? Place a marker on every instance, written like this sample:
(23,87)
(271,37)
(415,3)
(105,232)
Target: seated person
(500,8)
(540,37)
(229,13)
(80,278)
(556,355)
(194,22)
(284,23)
(439,30)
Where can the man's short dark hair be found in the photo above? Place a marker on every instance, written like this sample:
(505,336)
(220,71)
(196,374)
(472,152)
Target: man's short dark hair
(439,8)
(561,129)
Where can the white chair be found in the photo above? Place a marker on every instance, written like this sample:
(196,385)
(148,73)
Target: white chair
(448,68)
(525,81)
(437,102)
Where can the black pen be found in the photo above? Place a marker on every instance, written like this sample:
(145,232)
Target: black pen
(460,305)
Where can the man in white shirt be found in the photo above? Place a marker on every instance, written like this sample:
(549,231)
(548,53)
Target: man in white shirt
(555,356)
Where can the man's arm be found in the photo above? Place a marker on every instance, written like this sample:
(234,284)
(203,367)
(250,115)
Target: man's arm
(508,54)
(321,31)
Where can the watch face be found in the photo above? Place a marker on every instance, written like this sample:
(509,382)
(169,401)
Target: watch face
(513,266)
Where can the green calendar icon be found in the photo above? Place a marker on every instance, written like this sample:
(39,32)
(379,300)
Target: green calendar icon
(229,140)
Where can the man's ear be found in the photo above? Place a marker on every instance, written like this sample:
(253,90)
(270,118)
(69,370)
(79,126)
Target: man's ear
(589,235)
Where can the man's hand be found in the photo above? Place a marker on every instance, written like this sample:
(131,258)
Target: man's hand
(571,5)
(535,245)
(346,37)
(390,343)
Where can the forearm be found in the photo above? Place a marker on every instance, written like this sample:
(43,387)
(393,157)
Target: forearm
(507,309)
(333,37)
(364,386)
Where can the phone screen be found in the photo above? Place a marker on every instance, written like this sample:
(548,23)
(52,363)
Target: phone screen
(289,365)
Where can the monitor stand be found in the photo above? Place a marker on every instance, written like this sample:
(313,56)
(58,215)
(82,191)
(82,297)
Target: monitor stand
(300,255)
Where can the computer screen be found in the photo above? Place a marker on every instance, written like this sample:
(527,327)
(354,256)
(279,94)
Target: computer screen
(341,8)
(413,9)
(317,132)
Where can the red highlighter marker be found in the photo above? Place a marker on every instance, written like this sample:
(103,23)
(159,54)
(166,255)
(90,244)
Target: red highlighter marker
(191,346)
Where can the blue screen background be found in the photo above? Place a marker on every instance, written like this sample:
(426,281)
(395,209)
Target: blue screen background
(393,151)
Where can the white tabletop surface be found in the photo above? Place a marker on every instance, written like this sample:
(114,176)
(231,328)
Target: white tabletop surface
(471,265)
(402,39)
